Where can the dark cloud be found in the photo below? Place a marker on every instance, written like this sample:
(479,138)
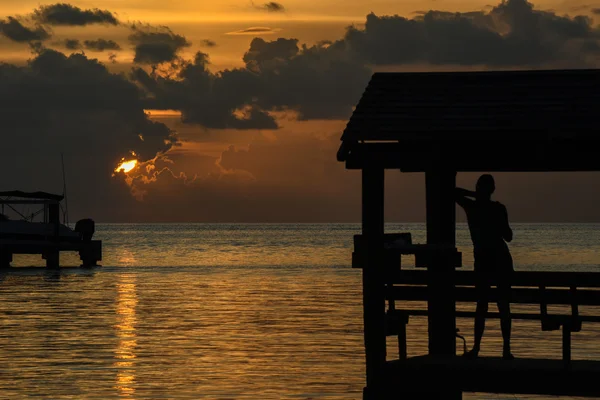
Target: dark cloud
(53,84)
(324,81)
(271,6)
(318,82)
(14,30)
(69,15)
(208,43)
(101,45)
(223,100)
(255,30)
(72,44)
(511,34)
(156,45)
(74,105)
(261,51)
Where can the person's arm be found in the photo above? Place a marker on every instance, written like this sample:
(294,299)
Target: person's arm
(507,233)
(462,196)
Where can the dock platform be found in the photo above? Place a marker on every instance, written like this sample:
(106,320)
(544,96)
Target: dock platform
(440,124)
(90,252)
(495,375)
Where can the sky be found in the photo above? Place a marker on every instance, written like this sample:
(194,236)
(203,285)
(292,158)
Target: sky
(233,110)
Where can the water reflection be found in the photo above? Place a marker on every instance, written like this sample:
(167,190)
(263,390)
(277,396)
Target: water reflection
(126,257)
(126,303)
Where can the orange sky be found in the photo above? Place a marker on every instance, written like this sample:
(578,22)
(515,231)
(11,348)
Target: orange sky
(217,174)
(160,11)
(308,20)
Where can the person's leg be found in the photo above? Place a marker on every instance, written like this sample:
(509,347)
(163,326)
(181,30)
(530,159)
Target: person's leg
(482,288)
(480,313)
(505,319)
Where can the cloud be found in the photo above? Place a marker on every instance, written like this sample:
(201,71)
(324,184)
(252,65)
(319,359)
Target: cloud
(318,82)
(325,81)
(156,45)
(53,84)
(101,45)
(511,34)
(268,181)
(73,104)
(93,45)
(62,14)
(256,31)
(223,100)
(271,6)
(14,30)
(262,51)
(72,44)
(208,43)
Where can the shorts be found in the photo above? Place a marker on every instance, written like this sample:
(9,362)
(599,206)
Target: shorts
(493,262)
(493,269)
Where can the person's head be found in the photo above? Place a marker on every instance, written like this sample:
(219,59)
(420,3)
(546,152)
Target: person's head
(485,186)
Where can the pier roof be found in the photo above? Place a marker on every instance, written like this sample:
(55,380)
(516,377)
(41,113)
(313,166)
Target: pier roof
(536,120)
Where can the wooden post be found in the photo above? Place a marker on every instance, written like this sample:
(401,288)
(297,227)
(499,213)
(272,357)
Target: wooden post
(566,343)
(441,227)
(441,230)
(52,256)
(373,285)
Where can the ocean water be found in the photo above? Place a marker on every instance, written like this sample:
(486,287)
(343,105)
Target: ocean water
(226,311)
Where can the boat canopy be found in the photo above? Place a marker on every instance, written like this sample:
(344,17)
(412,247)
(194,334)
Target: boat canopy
(32,195)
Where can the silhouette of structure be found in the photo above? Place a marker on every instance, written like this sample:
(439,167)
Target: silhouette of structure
(440,124)
(48,237)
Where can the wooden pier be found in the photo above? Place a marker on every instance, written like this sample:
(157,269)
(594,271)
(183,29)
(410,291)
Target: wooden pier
(89,252)
(440,124)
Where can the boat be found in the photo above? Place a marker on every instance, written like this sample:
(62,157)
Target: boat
(47,237)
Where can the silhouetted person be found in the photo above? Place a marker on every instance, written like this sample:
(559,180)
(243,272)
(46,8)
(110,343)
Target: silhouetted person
(490,230)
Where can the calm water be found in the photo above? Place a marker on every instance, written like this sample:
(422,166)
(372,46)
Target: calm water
(231,312)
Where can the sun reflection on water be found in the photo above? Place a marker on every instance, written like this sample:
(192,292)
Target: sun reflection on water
(126,257)
(126,303)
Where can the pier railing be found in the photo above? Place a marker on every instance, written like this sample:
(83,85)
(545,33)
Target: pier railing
(539,289)
(408,292)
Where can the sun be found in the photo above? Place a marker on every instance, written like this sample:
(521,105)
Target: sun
(126,166)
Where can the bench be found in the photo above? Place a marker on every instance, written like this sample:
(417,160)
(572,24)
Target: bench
(541,289)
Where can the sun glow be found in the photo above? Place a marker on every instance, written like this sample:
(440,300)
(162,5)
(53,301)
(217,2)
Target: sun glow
(126,166)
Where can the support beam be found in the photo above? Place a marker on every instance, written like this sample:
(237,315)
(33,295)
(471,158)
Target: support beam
(441,230)
(373,287)
(53,256)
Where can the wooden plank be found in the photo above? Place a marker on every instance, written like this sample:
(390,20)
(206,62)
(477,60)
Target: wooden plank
(584,297)
(38,247)
(394,242)
(549,155)
(496,315)
(494,375)
(392,258)
(519,278)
